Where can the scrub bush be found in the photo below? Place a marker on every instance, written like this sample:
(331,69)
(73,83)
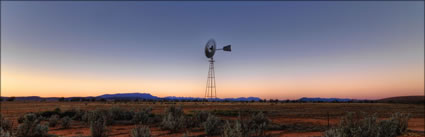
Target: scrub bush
(53,120)
(369,126)
(144,116)
(66,122)
(212,125)
(141,131)
(173,119)
(31,127)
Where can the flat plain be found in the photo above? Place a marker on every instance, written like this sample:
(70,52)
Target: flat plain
(300,119)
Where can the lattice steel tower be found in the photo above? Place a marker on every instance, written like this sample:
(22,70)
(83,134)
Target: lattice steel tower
(211,91)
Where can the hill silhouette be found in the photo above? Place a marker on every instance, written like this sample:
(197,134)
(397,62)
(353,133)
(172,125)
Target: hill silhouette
(404,99)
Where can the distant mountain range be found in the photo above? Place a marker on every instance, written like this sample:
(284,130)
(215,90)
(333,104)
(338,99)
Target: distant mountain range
(131,96)
(304,99)
(147,96)
(403,99)
(128,96)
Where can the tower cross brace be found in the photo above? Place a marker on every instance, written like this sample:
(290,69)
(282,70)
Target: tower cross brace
(210,91)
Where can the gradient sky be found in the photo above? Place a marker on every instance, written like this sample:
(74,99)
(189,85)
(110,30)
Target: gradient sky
(284,50)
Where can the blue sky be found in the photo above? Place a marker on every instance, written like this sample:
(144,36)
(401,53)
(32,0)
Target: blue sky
(358,49)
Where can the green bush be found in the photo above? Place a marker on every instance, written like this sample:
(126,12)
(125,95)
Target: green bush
(5,124)
(100,114)
(97,120)
(401,120)
(78,115)
(212,125)
(201,116)
(30,127)
(235,130)
(47,114)
(118,113)
(258,123)
(191,122)
(368,126)
(85,116)
(66,122)
(4,133)
(21,119)
(144,116)
(141,131)
(53,120)
(69,113)
(173,119)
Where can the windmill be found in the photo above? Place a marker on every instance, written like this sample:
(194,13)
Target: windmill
(210,48)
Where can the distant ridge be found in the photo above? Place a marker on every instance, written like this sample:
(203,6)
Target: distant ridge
(147,96)
(305,99)
(404,99)
(218,99)
(128,96)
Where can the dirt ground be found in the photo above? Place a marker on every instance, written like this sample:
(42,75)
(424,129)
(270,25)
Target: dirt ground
(303,115)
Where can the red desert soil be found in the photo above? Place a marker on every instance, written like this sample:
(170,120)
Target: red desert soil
(280,113)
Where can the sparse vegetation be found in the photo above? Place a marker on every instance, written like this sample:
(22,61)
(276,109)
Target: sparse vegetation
(53,120)
(233,130)
(369,126)
(97,120)
(258,124)
(6,125)
(78,115)
(212,125)
(101,113)
(141,131)
(31,127)
(4,133)
(66,122)
(174,119)
(143,116)
(201,116)
(251,123)
(118,113)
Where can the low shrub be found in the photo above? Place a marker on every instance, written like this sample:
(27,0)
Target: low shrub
(66,122)
(144,116)
(78,115)
(21,119)
(47,114)
(118,113)
(191,122)
(5,125)
(401,120)
(258,123)
(173,119)
(141,131)
(233,130)
(369,126)
(53,120)
(201,116)
(31,127)
(97,120)
(85,116)
(4,133)
(100,114)
(69,113)
(212,125)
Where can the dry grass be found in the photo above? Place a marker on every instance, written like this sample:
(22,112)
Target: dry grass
(284,114)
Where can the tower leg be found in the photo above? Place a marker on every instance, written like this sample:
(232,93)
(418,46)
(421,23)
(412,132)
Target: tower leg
(210,91)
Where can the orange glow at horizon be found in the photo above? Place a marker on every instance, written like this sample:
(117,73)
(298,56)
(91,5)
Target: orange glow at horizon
(366,85)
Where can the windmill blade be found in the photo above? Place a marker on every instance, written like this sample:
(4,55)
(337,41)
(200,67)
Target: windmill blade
(210,48)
